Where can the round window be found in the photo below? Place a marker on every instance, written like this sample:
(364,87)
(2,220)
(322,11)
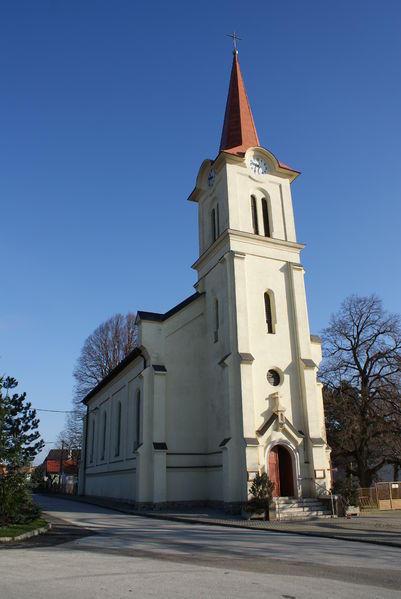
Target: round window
(273,377)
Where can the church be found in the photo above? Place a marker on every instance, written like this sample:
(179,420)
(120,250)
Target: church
(224,385)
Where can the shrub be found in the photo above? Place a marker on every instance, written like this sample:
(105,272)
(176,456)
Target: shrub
(262,491)
(348,489)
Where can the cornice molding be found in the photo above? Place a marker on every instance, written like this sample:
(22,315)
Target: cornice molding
(257,240)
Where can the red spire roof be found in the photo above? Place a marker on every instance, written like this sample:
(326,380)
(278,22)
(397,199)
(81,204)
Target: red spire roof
(239,132)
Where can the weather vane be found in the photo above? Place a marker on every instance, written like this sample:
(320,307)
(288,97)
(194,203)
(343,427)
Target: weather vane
(234,37)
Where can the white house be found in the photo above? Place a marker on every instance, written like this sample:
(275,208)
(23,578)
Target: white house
(223,385)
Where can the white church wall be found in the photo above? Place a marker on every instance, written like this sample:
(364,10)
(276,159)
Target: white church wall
(185,340)
(275,350)
(187,484)
(288,213)
(113,483)
(211,198)
(216,346)
(186,414)
(112,473)
(188,393)
(144,464)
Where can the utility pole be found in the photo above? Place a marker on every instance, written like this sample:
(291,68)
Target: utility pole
(61,467)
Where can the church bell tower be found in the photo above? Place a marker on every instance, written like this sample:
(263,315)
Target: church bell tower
(264,403)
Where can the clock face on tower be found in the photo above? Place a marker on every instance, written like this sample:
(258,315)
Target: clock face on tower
(258,165)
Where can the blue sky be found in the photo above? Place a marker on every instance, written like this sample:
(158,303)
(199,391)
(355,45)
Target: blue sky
(107,110)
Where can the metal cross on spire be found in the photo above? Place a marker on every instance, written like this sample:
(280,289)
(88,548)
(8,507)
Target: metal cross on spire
(234,37)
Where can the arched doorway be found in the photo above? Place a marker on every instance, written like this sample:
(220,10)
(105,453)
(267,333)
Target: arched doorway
(281,471)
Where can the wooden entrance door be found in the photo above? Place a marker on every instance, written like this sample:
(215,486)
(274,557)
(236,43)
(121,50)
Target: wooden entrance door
(281,471)
(274,470)
(286,472)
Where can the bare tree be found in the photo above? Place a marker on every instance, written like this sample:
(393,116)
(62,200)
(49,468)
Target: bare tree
(361,373)
(106,347)
(71,435)
(395,449)
(102,351)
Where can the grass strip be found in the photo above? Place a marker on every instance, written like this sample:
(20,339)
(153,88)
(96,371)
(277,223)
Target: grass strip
(14,530)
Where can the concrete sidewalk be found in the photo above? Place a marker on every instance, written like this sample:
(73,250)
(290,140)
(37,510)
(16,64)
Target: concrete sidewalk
(380,528)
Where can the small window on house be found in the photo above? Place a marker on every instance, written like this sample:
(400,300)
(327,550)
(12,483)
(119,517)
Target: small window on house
(137,423)
(118,430)
(254,216)
(266,222)
(216,320)
(103,454)
(268,313)
(213,225)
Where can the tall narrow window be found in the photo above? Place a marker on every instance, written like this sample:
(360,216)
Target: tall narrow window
(217,221)
(268,313)
(104,435)
(92,451)
(118,430)
(266,222)
(216,320)
(137,436)
(213,225)
(254,216)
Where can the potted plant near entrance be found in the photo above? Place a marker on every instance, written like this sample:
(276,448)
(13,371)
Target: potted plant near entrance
(261,493)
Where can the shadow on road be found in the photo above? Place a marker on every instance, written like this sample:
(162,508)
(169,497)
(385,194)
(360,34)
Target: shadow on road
(61,532)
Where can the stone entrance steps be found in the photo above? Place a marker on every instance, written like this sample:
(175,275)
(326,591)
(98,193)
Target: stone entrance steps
(288,508)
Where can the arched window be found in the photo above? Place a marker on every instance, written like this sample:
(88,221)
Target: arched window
(137,423)
(217,221)
(254,216)
(269,313)
(213,225)
(103,454)
(216,320)
(266,222)
(118,430)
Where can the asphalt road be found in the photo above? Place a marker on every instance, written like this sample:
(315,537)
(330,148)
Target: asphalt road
(95,552)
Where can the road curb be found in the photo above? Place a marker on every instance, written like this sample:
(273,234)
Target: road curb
(27,535)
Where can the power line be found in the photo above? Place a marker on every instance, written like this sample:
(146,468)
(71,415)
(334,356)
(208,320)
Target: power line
(55,411)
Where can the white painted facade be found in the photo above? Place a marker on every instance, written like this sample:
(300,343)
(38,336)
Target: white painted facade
(191,416)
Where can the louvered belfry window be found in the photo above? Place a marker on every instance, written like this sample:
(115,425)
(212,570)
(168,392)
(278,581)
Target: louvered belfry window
(268,313)
(254,216)
(213,225)
(266,222)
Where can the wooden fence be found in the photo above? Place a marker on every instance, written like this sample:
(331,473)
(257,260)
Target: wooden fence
(384,496)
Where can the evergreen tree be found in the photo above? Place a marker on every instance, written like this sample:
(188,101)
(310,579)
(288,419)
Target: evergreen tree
(262,492)
(19,443)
